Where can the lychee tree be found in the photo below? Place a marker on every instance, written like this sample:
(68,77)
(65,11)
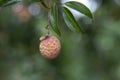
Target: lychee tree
(50,45)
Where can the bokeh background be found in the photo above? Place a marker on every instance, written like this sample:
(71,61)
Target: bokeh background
(94,55)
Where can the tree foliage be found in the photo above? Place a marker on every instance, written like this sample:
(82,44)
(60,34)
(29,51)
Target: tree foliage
(67,15)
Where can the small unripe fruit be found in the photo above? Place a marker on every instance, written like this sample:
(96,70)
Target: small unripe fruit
(50,47)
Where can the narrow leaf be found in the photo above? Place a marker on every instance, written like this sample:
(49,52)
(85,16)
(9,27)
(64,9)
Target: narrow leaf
(70,20)
(10,3)
(54,19)
(79,7)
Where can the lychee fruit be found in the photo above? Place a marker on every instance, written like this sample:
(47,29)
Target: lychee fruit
(50,47)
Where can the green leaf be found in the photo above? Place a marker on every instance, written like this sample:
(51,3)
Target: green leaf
(79,7)
(70,20)
(54,19)
(10,3)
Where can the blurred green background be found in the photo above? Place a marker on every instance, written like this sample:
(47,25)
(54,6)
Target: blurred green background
(94,55)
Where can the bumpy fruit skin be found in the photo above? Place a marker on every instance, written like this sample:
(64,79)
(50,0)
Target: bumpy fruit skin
(50,47)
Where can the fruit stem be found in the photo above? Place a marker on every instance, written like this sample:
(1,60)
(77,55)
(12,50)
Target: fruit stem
(48,29)
(48,25)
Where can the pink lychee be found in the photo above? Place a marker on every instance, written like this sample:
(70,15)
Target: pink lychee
(50,47)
